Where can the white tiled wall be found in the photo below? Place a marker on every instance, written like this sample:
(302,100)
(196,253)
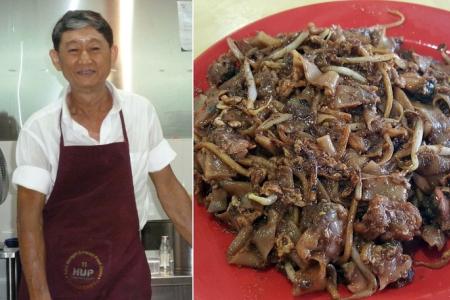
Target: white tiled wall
(182,167)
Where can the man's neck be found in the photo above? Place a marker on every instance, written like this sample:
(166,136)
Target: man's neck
(89,105)
(90,109)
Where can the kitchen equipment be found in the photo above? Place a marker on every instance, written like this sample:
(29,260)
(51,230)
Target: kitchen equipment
(4,179)
(153,231)
(182,252)
(12,242)
(212,241)
(182,255)
(10,255)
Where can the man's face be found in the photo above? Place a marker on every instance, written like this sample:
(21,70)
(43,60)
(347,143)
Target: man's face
(84,57)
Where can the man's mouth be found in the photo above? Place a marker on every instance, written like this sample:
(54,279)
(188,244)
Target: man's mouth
(85,72)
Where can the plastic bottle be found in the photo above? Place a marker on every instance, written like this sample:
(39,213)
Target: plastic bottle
(166,256)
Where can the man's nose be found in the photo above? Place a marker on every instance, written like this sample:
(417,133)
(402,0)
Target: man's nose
(85,57)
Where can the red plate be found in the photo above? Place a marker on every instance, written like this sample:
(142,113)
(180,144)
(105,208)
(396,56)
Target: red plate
(423,30)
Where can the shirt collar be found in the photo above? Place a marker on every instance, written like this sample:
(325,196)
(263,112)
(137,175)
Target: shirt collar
(67,118)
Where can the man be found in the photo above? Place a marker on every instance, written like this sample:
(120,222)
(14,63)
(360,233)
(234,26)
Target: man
(79,192)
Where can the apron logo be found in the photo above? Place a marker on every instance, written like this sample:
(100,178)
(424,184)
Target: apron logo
(82,273)
(83,270)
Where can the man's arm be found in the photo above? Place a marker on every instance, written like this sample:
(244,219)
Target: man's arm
(175,201)
(31,240)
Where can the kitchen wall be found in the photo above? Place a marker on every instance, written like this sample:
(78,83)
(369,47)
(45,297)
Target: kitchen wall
(151,60)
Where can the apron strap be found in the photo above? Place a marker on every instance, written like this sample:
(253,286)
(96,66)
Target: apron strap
(122,121)
(61,139)
(124,131)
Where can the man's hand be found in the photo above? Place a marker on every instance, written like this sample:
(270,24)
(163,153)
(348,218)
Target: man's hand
(174,200)
(31,240)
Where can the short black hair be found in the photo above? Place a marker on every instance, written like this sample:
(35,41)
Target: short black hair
(77,19)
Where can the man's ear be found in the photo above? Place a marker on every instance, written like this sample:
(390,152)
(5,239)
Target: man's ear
(55,59)
(114,53)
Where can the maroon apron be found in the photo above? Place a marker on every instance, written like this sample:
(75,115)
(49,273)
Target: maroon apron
(91,227)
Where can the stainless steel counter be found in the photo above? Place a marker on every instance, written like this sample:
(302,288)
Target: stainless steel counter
(9,255)
(171,280)
(176,287)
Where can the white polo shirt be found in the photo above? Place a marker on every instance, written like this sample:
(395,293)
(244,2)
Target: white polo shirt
(37,152)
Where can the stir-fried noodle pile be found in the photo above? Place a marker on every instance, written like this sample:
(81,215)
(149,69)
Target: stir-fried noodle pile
(326,150)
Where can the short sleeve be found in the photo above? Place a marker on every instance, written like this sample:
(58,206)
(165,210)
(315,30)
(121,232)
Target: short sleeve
(33,167)
(161,153)
(161,156)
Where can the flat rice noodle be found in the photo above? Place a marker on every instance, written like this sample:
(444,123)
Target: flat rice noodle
(326,145)
(370,116)
(308,241)
(342,142)
(332,282)
(266,143)
(247,257)
(240,241)
(413,81)
(436,126)
(265,40)
(205,115)
(288,228)
(264,236)
(217,201)
(237,188)
(431,163)
(358,143)
(353,159)
(443,208)
(237,219)
(327,80)
(346,97)
(285,177)
(422,183)
(215,169)
(433,236)
(311,279)
(394,187)
(325,231)
(358,282)
(372,168)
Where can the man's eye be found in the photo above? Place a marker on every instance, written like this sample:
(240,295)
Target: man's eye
(95,48)
(73,50)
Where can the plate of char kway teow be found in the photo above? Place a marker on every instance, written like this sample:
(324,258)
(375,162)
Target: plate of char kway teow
(322,155)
